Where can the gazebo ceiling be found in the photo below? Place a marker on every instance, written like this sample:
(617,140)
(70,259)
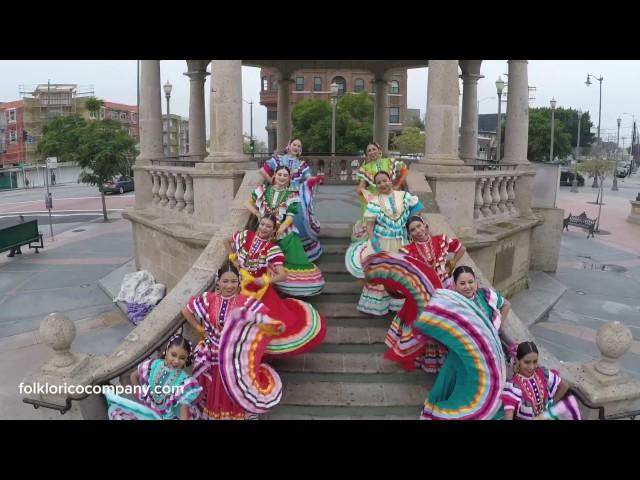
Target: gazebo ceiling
(374,66)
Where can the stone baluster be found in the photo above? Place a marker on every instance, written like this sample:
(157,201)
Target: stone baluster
(486,196)
(478,200)
(163,189)
(171,189)
(511,193)
(188,194)
(155,180)
(503,195)
(495,195)
(180,203)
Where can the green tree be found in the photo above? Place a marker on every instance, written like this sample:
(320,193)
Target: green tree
(260,146)
(416,122)
(354,123)
(540,136)
(411,140)
(105,151)
(61,138)
(94,105)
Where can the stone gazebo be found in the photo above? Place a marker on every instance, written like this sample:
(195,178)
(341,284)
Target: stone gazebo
(186,206)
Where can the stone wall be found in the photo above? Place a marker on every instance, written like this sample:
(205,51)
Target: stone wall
(166,257)
(545,239)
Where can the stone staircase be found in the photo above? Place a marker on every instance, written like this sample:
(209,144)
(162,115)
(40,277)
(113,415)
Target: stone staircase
(347,377)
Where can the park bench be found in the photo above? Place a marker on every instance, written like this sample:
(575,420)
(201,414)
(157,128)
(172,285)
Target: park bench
(581,221)
(21,234)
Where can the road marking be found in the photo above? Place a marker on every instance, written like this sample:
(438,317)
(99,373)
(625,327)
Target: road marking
(66,198)
(45,213)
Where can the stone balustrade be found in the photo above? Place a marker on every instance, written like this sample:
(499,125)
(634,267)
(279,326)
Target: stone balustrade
(172,188)
(337,170)
(495,195)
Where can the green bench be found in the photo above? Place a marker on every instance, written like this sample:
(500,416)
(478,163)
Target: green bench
(21,234)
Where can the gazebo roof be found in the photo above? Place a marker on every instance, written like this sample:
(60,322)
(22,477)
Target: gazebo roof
(367,65)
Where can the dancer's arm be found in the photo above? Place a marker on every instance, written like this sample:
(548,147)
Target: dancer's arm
(135,378)
(279,276)
(229,245)
(504,311)
(508,414)
(184,412)
(265,175)
(191,319)
(561,391)
(251,206)
(286,224)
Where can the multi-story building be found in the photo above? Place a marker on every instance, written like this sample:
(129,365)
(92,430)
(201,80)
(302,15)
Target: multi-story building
(179,135)
(24,119)
(317,84)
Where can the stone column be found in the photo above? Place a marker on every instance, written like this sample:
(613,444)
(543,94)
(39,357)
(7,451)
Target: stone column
(197,127)
(284,131)
(517,124)
(469,138)
(150,130)
(226,112)
(381,114)
(442,114)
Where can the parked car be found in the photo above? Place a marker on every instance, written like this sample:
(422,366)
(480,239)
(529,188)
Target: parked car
(118,185)
(566,177)
(623,170)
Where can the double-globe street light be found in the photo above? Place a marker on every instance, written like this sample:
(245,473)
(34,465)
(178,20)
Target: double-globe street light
(167,93)
(574,182)
(500,84)
(335,90)
(553,104)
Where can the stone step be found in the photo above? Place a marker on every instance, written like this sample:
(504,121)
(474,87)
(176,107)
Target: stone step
(343,233)
(366,322)
(333,286)
(357,394)
(334,248)
(350,348)
(294,412)
(331,267)
(350,363)
(355,335)
(338,308)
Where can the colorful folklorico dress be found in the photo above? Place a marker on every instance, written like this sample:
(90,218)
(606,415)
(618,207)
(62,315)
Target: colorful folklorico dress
(168,390)
(367,172)
(390,213)
(470,383)
(303,277)
(532,397)
(212,311)
(305,328)
(307,226)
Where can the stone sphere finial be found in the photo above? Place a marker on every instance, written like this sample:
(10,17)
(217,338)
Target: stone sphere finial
(58,332)
(613,340)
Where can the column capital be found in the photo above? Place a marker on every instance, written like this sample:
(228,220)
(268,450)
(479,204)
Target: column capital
(470,77)
(470,66)
(197,65)
(197,76)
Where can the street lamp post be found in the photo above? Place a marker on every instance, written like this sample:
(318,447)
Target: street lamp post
(614,187)
(599,141)
(167,93)
(574,182)
(499,87)
(553,104)
(335,88)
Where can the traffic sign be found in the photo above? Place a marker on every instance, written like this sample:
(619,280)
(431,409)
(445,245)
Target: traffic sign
(52,162)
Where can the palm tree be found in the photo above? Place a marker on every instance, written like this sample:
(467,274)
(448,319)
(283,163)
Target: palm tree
(94,105)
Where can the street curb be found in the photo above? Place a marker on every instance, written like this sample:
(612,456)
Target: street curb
(111,283)
(534,304)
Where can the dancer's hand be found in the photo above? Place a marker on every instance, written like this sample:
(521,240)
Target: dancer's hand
(375,243)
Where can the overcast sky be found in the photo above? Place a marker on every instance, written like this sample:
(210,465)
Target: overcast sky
(115,80)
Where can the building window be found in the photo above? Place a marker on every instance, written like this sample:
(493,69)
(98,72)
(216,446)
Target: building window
(394,87)
(358,85)
(394,115)
(317,84)
(341,85)
(272,114)
(12,115)
(134,117)
(299,84)
(93,114)
(114,115)
(13,136)
(265,84)
(123,115)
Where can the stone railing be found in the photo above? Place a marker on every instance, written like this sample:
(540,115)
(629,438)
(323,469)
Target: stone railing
(172,188)
(495,195)
(69,368)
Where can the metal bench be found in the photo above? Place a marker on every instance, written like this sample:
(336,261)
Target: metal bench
(581,221)
(21,234)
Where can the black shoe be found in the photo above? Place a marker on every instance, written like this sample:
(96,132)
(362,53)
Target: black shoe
(11,255)
(19,252)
